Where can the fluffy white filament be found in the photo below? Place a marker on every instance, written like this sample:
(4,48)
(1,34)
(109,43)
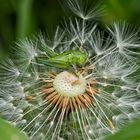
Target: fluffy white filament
(113,60)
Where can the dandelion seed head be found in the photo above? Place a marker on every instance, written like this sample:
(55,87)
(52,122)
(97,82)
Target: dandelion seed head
(62,101)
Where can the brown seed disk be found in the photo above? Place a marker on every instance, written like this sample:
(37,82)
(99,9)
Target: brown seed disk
(66,102)
(69,103)
(91,90)
(48,90)
(80,103)
(49,85)
(87,97)
(52,75)
(55,100)
(53,94)
(82,100)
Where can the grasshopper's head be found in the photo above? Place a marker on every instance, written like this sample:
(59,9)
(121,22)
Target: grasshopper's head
(81,57)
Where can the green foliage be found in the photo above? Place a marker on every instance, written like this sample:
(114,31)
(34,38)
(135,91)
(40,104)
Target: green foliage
(127,10)
(24,18)
(130,132)
(7,132)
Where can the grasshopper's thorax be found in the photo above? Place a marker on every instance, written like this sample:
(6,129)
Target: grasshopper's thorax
(69,91)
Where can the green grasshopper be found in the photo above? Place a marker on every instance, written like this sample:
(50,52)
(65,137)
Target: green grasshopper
(64,60)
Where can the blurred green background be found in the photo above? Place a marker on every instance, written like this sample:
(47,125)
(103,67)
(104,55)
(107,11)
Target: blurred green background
(21,18)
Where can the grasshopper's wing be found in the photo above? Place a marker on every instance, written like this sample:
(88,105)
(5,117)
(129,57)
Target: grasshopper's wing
(52,63)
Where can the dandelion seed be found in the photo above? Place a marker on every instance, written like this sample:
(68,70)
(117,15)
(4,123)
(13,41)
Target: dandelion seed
(82,85)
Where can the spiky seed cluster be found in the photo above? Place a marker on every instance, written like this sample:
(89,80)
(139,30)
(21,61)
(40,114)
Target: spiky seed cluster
(78,103)
(68,91)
